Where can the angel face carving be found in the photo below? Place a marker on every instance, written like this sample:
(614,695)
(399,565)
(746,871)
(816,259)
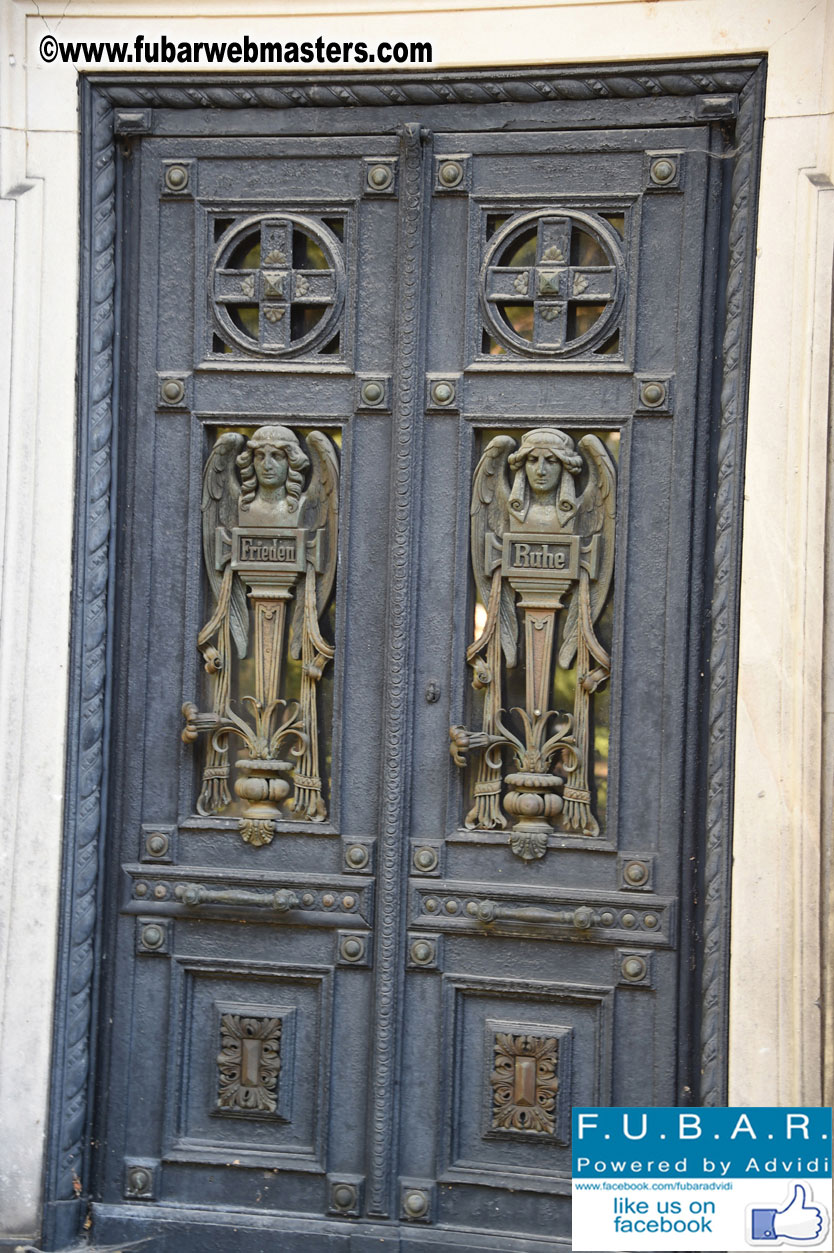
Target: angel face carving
(271,475)
(542,551)
(270,516)
(543,497)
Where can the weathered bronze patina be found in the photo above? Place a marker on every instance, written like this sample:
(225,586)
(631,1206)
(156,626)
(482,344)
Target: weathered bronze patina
(270,514)
(535,541)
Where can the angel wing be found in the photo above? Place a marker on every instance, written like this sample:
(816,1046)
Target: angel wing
(221,490)
(319,513)
(595,515)
(490,513)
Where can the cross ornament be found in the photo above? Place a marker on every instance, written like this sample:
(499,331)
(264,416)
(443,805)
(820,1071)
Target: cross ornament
(275,286)
(551,285)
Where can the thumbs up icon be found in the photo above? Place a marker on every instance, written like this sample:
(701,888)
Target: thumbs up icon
(797,1222)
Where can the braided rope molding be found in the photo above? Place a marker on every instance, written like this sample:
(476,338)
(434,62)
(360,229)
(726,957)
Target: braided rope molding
(86,739)
(396,734)
(723,662)
(449,87)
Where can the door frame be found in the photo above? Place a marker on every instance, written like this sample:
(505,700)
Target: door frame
(729,91)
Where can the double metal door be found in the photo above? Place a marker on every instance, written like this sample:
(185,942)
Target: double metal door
(413,456)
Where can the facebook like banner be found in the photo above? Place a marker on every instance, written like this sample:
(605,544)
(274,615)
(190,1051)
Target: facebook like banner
(701,1179)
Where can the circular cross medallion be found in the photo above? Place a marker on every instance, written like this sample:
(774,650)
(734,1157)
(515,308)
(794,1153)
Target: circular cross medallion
(552,282)
(278,285)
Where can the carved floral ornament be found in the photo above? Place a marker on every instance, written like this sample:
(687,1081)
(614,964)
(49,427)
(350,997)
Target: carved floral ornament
(524,1083)
(270,521)
(248,1063)
(542,548)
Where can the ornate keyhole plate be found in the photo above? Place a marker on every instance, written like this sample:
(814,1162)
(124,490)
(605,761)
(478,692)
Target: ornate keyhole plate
(552,283)
(278,285)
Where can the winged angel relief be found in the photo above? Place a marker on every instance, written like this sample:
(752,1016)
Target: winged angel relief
(270,516)
(542,546)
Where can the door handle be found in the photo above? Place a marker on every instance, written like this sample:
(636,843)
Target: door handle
(580,917)
(195,894)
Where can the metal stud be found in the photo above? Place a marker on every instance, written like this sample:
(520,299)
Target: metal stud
(636,873)
(176,177)
(634,968)
(415,1203)
(139,1182)
(344,1196)
(425,860)
(380,177)
(153,936)
(172,391)
(357,856)
(157,844)
(450,173)
(663,170)
(628,920)
(423,952)
(352,949)
(652,394)
(443,393)
(372,392)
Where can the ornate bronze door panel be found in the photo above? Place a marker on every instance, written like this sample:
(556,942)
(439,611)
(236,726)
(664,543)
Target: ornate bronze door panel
(418,424)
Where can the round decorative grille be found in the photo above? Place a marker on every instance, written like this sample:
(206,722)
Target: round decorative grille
(552,282)
(279,285)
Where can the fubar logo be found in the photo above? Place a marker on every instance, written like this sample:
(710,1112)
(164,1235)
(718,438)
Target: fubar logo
(676,1179)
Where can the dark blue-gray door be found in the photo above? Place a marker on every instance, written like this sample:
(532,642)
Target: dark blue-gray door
(389,1052)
